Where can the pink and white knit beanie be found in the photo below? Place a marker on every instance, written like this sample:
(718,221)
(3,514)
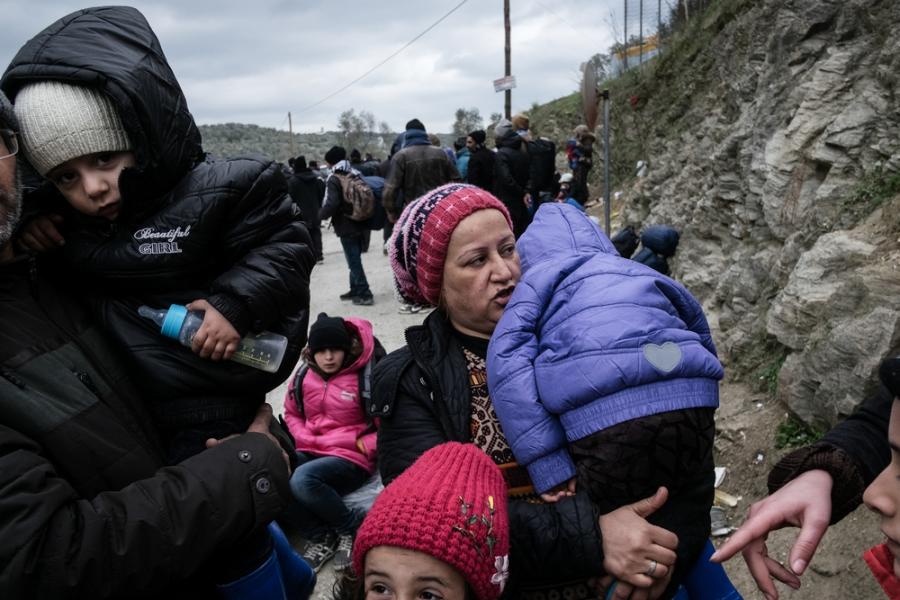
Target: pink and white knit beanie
(418,246)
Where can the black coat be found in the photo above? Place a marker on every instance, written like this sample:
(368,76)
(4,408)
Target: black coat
(481,169)
(307,191)
(421,394)
(86,508)
(190,227)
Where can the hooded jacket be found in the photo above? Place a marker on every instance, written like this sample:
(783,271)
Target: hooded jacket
(589,340)
(332,417)
(190,226)
(416,169)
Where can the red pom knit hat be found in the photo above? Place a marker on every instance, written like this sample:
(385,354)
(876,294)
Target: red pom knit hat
(450,504)
(418,246)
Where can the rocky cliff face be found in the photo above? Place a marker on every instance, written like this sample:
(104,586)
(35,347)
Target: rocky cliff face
(777,154)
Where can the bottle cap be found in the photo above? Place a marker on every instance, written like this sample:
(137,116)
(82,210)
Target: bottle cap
(174,319)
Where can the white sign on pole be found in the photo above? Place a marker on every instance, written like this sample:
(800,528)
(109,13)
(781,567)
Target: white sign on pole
(505,83)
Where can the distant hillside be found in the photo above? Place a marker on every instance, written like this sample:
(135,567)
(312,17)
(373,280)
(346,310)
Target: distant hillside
(235,139)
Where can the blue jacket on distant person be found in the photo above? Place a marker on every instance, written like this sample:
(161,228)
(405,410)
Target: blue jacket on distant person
(589,340)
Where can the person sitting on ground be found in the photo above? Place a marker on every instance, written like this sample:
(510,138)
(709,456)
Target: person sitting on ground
(127,183)
(603,368)
(440,530)
(353,234)
(106,517)
(335,440)
(818,485)
(454,249)
(565,192)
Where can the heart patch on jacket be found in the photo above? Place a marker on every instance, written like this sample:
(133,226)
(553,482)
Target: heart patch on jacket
(663,358)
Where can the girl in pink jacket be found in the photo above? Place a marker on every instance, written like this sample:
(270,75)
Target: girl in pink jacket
(335,440)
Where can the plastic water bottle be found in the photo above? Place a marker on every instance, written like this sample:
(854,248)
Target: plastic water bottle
(263,351)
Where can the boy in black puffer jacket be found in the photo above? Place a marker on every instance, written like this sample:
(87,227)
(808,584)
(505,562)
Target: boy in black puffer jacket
(147,218)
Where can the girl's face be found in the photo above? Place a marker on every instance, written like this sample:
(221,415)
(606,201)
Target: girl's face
(329,360)
(480,272)
(90,183)
(392,573)
(883,494)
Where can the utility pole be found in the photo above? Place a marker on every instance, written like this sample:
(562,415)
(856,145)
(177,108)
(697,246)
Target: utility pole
(508,93)
(625,39)
(659,26)
(291,133)
(641,34)
(606,184)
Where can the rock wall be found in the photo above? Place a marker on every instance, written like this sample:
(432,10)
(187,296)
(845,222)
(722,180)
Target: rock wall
(790,115)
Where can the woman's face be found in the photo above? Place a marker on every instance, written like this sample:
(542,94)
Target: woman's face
(883,494)
(480,272)
(392,573)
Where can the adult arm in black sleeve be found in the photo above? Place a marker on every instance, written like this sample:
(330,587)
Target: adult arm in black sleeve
(146,537)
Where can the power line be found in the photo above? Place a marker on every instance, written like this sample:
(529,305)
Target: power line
(369,72)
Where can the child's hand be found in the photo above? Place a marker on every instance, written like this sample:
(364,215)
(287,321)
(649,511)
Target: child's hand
(217,339)
(361,446)
(41,234)
(561,491)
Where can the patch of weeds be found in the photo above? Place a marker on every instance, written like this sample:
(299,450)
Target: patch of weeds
(872,191)
(794,433)
(767,376)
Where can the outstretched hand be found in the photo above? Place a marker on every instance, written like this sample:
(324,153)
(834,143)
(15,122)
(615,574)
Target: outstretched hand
(804,502)
(563,490)
(631,545)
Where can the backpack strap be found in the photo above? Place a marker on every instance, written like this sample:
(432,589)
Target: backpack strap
(297,396)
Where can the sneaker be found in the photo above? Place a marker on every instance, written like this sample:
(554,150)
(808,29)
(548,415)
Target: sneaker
(409,309)
(364,300)
(320,261)
(343,556)
(317,553)
(348,296)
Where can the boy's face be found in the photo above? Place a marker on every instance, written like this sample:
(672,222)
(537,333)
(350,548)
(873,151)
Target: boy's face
(883,494)
(329,360)
(90,183)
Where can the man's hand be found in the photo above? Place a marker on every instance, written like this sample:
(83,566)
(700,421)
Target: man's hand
(41,234)
(527,200)
(631,545)
(805,502)
(261,423)
(567,488)
(216,339)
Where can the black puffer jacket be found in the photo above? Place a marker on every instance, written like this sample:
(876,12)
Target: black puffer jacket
(86,508)
(511,170)
(421,394)
(190,226)
(481,169)
(307,191)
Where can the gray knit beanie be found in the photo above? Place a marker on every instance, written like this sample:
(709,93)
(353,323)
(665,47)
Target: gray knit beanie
(59,122)
(502,128)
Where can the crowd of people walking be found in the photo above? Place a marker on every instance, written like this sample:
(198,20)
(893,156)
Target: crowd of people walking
(546,431)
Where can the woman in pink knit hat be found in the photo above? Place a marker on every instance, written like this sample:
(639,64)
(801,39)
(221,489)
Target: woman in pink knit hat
(454,248)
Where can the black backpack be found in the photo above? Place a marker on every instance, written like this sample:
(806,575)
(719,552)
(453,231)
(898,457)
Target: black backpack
(541,164)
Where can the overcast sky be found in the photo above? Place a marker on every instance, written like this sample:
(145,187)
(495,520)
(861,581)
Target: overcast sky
(253,61)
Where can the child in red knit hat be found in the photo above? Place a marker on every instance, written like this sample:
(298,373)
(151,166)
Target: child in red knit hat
(439,530)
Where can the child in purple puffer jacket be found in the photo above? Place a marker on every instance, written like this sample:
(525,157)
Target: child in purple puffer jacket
(603,368)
